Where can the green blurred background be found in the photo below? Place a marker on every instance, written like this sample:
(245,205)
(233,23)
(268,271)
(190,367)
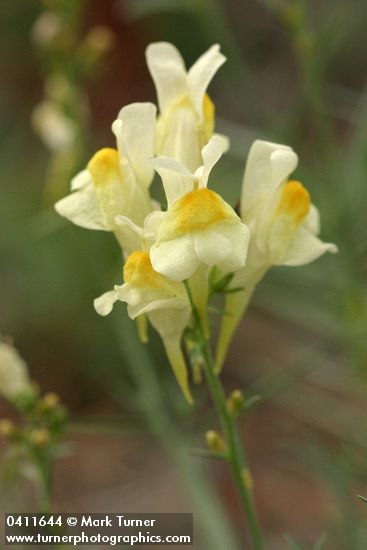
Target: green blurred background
(295,74)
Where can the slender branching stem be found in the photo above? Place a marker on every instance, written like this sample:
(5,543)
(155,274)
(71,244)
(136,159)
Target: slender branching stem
(235,454)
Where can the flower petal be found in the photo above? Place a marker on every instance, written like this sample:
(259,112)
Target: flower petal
(176,259)
(312,220)
(176,179)
(82,208)
(104,303)
(81,180)
(150,230)
(147,307)
(167,69)
(200,75)
(211,153)
(211,247)
(178,135)
(128,233)
(305,248)
(238,235)
(268,165)
(135,132)
(132,296)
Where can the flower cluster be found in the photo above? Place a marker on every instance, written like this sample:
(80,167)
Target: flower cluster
(34,438)
(197,233)
(70,56)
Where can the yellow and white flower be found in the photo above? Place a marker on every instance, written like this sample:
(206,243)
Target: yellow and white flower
(165,303)
(116,181)
(284,227)
(199,227)
(279,212)
(14,377)
(186,120)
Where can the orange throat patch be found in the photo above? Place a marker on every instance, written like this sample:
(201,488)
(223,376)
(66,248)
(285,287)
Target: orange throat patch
(295,202)
(195,211)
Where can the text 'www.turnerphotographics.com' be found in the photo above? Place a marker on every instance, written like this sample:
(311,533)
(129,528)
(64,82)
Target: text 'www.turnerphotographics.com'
(111,529)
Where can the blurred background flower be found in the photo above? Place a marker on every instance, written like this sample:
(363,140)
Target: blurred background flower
(296,74)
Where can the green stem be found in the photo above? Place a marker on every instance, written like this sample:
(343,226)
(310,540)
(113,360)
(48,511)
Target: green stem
(235,454)
(44,469)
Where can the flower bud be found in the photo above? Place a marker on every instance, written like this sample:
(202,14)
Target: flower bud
(99,39)
(247,479)
(214,441)
(196,360)
(95,46)
(235,402)
(50,401)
